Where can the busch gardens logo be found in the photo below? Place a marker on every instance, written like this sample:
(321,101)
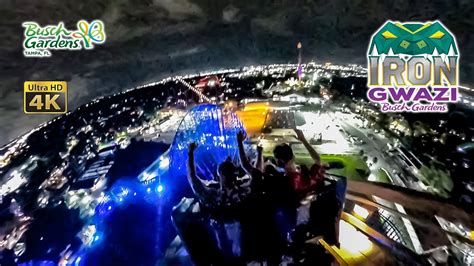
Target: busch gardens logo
(413,67)
(40,40)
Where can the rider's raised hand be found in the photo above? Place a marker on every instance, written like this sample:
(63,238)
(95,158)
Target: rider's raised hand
(299,134)
(241,136)
(192,146)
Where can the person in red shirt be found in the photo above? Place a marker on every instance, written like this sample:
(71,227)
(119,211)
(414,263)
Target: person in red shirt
(303,180)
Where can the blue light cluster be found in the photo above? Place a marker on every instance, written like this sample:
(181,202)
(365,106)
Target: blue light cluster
(103,209)
(38,263)
(125,191)
(120,195)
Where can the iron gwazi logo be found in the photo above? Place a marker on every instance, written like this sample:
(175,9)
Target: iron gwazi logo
(413,67)
(39,41)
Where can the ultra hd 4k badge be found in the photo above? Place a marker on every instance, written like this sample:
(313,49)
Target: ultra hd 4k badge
(45,97)
(413,67)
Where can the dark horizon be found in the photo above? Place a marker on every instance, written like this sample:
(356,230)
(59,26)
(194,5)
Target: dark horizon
(150,40)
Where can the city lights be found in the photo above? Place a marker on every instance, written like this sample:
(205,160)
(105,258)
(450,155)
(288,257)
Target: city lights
(128,162)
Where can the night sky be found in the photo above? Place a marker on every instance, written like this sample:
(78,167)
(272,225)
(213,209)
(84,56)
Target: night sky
(151,39)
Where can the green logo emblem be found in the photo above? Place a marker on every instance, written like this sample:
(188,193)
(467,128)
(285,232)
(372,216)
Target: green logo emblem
(413,67)
(413,38)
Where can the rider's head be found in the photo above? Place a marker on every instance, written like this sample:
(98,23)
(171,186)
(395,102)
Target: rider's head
(227,172)
(317,172)
(283,154)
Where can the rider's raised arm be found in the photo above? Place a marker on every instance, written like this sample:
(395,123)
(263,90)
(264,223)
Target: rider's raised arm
(312,152)
(259,163)
(244,161)
(196,184)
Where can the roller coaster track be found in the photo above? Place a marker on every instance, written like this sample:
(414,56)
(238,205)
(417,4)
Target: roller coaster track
(198,92)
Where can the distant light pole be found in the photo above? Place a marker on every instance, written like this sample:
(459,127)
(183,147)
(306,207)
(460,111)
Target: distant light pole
(300,70)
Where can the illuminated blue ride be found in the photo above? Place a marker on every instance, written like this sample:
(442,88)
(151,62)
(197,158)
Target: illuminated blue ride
(213,129)
(137,213)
